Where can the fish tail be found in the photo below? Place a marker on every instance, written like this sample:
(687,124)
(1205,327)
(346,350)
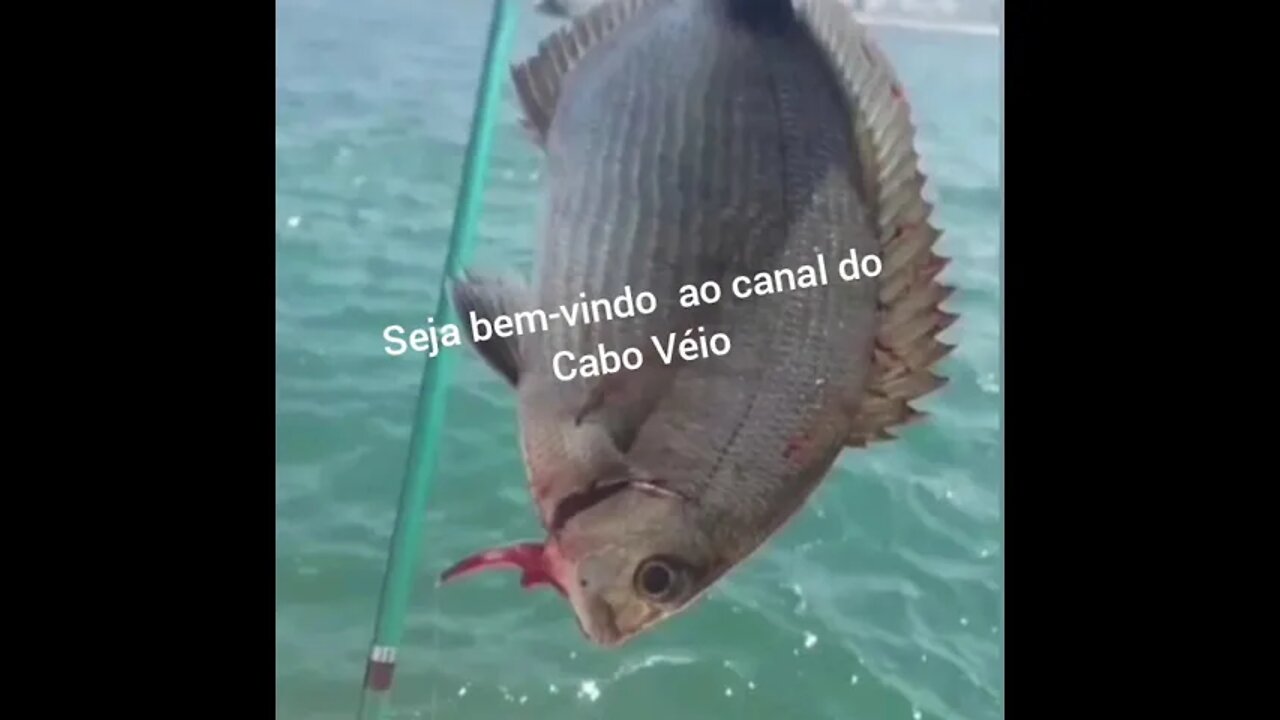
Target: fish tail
(761,15)
(539,78)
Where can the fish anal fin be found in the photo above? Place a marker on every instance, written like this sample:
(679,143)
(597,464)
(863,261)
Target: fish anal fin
(490,299)
(892,186)
(538,79)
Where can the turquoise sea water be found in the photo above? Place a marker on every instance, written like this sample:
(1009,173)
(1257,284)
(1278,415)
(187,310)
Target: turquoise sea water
(880,601)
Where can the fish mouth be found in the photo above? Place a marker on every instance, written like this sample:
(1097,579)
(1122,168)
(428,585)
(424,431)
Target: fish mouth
(540,563)
(537,563)
(530,558)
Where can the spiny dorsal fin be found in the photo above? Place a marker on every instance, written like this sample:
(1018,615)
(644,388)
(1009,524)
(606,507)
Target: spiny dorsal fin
(911,318)
(539,78)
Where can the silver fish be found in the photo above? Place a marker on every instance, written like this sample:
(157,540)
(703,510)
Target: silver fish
(759,136)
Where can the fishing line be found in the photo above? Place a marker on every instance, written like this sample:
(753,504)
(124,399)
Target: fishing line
(429,414)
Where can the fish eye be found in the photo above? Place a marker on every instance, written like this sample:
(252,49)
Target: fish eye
(657,579)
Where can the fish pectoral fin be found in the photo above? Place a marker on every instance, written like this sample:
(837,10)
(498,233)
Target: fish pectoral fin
(538,79)
(490,299)
(623,401)
(892,185)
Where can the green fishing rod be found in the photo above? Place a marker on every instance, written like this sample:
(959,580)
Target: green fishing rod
(424,441)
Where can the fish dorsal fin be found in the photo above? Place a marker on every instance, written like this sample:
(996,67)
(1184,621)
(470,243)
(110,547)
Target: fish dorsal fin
(538,79)
(911,319)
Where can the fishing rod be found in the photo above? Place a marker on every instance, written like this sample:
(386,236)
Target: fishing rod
(428,420)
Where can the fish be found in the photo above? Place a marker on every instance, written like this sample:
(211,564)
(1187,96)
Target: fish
(753,135)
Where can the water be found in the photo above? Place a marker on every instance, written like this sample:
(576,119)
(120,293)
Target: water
(880,602)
